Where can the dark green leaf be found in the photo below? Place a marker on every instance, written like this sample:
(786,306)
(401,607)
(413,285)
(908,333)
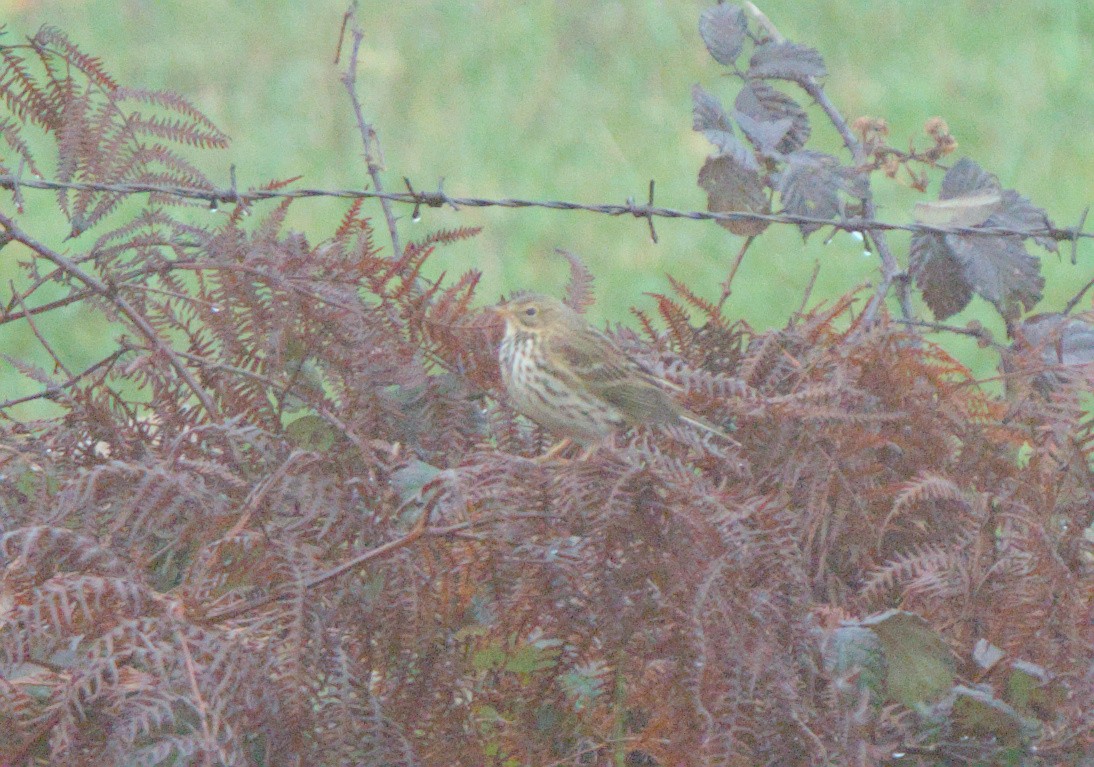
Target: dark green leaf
(920,666)
(312,432)
(1031,689)
(855,653)
(978,713)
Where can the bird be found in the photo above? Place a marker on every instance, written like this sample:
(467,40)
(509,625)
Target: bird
(575,381)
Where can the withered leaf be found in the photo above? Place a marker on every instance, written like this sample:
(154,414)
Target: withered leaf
(966,178)
(999,269)
(949,267)
(1052,349)
(969,210)
(811,185)
(723,28)
(733,184)
(938,275)
(986,655)
(759,103)
(709,118)
(1062,339)
(786,61)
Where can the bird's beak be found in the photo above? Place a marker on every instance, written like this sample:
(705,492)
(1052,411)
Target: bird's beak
(503,311)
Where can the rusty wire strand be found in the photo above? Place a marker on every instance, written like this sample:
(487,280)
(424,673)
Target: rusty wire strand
(216,197)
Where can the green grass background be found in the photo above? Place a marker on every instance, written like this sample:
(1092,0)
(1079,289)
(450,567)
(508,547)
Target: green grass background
(584,101)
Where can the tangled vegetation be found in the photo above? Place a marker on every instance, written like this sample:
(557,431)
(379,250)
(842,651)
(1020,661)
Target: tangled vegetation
(291,519)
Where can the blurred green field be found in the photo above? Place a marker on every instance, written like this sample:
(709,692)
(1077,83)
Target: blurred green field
(586,101)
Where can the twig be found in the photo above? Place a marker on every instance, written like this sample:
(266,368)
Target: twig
(57,362)
(262,489)
(1078,297)
(102,289)
(51,391)
(321,411)
(419,530)
(123,283)
(980,334)
(374,157)
(71,298)
(890,269)
(809,287)
(202,706)
(727,286)
(1078,233)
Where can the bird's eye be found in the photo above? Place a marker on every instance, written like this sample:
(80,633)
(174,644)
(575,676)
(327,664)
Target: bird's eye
(530,311)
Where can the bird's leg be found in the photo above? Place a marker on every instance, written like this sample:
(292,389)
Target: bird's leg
(554,451)
(587,452)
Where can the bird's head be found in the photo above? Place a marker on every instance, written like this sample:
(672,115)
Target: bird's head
(535,313)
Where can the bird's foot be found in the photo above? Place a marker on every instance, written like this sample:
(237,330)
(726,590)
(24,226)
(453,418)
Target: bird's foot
(555,451)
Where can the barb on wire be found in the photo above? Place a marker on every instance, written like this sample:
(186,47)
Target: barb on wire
(440,198)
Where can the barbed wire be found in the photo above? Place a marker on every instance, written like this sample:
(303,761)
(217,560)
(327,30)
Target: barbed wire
(215,197)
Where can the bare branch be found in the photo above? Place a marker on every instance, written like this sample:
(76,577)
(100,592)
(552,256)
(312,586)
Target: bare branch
(100,288)
(374,157)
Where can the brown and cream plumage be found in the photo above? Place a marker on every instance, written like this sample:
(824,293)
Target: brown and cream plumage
(574,380)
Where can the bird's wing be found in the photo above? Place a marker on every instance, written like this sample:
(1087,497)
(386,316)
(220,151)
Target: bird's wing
(608,373)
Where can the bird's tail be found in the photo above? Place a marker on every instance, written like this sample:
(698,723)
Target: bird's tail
(701,423)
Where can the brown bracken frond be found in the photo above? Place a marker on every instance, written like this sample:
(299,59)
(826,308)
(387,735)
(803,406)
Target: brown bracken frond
(289,517)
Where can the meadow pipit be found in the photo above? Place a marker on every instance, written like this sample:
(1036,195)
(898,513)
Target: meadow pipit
(572,379)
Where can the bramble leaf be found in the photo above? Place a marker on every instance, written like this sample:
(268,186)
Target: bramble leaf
(948,268)
(978,713)
(938,275)
(970,210)
(1061,339)
(710,119)
(811,185)
(999,269)
(1019,213)
(723,28)
(786,61)
(771,119)
(732,183)
(919,665)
